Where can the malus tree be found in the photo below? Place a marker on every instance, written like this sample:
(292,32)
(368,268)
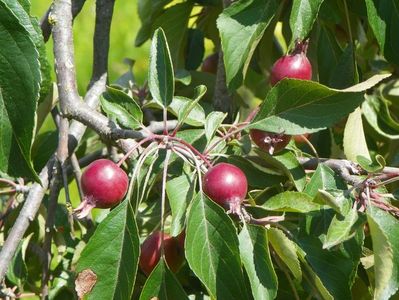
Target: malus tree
(192,187)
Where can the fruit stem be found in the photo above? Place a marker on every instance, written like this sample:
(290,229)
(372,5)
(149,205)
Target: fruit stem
(301,47)
(240,128)
(199,154)
(9,182)
(121,161)
(163,198)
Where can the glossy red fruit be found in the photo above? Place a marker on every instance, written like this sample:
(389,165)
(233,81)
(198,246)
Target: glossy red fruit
(151,252)
(268,141)
(210,63)
(294,65)
(104,185)
(227,185)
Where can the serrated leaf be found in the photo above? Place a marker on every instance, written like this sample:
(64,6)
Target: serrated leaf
(324,178)
(383,17)
(174,21)
(336,199)
(19,91)
(195,49)
(302,106)
(112,253)
(333,268)
(162,284)
(289,164)
(384,230)
(340,228)
(286,250)
(291,202)
(121,108)
(196,116)
(303,14)
(212,123)
(344,73)
(255,256)
(31,24)
(212,250)
(354,138)
(241,27)
(160,75)
(191,109)
(180,191)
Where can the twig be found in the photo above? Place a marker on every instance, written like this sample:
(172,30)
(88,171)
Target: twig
(45,25)
(37,191)
(77,173)
(55,188)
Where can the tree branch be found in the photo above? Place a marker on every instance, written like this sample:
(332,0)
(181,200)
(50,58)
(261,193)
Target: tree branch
(45,25)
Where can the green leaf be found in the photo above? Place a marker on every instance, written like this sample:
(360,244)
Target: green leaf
(180,191)
(174,21)
(289,164)
(162,284)
(195,49)
(181,105)
(373,109)
(384,230)
(112,253)
(302,106)
(383,17)
(371,166)
(291,202)
(323,178)
(328,54)
(183,76)
(212,250)
(286,250)
(344,73)
(212,123)
(241,27)
(302,17)
(340,228)
(121,108)
(31,24)
(333,268)
(255,256)
(354,137)
(19,91)
(192,110)
(160,77)
(148,11)
(339,200)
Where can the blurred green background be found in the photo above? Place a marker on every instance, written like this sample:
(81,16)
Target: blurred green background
(125,25)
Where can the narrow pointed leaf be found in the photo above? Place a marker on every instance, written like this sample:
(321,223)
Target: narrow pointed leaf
(384,230)
(340,229)
(322,179)
(180,191)
(354,137)
(299,106)
(286,250)
(291,202)
(160,77)
(212,250)
(121,108)
(112,254)
(254,251)
(303,15)
(212,123)
(241,27)
(19,88)
(162,284)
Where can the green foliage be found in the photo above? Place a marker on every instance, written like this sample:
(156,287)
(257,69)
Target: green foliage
(307,229)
